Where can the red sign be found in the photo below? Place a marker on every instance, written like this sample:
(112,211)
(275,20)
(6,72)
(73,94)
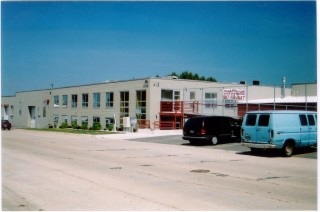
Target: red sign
(235,94)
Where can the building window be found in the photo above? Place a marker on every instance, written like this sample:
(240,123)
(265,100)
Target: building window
(44,111)
(230,103)
(124,105)
(12,110)
(109,121)
(74,100)
(55,120)
(192,95)
(65,101)
(166,95)
(84,122)
(211,100)
(109,99)
(141,105)
(176,95)
(85,100)
(96,119)
(74,121)
(170,95)
(56,101)
(96,100)
(96,123)
(65,119)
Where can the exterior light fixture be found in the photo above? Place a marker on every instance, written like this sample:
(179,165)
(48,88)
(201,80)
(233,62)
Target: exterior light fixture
(146,84)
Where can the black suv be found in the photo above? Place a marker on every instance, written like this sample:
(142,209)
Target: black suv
(211,129)
(5,124)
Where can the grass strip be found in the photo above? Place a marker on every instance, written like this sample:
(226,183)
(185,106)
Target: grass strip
(89,132)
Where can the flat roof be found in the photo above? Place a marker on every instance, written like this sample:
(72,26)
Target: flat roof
(73,86)
(287,99)
(137,79)
(280,111)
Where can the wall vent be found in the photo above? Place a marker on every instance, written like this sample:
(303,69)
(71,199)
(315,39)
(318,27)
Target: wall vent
(243,82)
(256,82)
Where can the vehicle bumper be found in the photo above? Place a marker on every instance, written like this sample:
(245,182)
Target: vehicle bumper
(258,145)
(195,138)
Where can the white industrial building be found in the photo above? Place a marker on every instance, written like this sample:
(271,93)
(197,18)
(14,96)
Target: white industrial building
(163,103)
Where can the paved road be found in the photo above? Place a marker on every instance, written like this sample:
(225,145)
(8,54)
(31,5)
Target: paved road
(231,146)
(56,171)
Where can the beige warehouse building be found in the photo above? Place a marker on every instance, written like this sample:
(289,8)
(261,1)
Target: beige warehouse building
(150,102)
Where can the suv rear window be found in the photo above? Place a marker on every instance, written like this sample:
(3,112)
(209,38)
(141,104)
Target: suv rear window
(251,120)
(194,122)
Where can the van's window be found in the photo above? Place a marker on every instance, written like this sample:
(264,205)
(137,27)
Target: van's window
(303,120)
(264,120)
(251,120)
(311,120)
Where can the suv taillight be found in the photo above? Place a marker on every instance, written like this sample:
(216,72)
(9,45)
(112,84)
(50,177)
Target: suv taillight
(203,131)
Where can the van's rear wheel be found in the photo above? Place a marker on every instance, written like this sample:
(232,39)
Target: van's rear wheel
(288,149)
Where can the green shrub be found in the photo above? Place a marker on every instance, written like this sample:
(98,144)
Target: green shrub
(64,125)
(110,127)
(74,125)
(96,126)
(84,126)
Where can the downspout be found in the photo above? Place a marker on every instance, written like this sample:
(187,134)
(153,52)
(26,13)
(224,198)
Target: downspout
(274,96)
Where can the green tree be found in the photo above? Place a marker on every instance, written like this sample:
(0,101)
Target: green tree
(189,75)
(203,78)
(174,74)
(211,79)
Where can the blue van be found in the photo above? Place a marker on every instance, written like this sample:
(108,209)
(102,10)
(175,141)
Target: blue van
(285,130)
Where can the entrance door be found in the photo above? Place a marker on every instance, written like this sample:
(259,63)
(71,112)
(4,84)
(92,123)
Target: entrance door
(176,101)
(312,129)
(304,130)
(263,130)
(176,96)
(32,113)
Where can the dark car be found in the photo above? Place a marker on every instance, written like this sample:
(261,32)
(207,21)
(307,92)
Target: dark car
(5,124)
(211,129)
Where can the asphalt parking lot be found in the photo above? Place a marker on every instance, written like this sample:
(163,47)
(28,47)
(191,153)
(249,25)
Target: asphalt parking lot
(73,172)
(228,146)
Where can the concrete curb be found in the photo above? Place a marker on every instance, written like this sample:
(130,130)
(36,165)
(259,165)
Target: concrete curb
(142,133)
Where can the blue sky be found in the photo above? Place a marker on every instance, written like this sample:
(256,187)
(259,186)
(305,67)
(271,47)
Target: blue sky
(75,43)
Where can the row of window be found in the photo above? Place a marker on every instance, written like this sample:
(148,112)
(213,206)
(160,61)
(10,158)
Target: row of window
(141,103)
(84,120)
(263,121)
(84,100)
(210,100)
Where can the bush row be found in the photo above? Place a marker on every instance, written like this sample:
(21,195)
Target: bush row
(95,126)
